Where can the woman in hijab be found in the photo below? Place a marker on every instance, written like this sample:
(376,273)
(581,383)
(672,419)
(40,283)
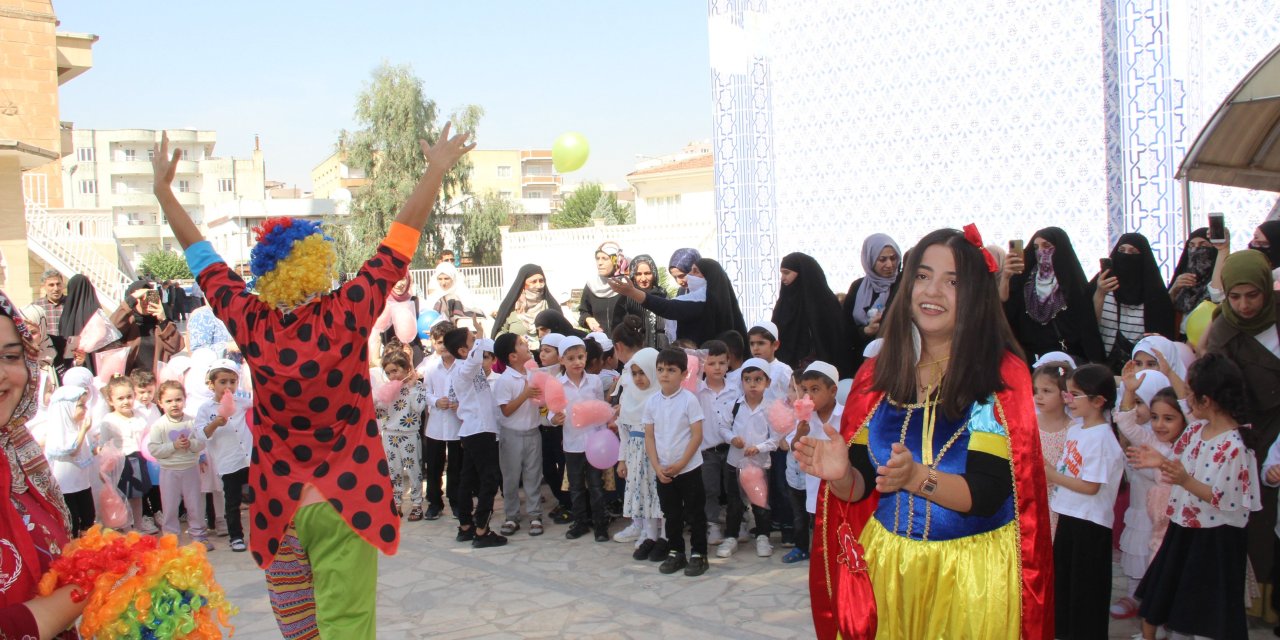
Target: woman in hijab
(808,318)
(528,297)
(79,304)
(1191,278)
(402,292)
(710,307)
(151,336)
(453,300)
(598,309)
(1266,238)
(1130,300)
(1048,306)
(553,321)
(680,265)
(644,275)
(1245,330)
(871,294)
(33,517)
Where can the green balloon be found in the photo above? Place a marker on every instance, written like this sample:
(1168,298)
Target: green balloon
(569,152)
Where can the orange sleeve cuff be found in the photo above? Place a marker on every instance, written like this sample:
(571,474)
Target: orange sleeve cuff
(402,239)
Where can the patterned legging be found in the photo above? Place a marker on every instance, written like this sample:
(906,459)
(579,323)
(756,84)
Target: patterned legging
(404,458)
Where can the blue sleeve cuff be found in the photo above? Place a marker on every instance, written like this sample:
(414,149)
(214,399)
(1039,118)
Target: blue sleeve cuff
(201,256)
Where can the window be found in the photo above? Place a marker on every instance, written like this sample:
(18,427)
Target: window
(535,194)
(84,154)
(225,185)
(504,171)
(184,186)
(506,195)
(88,187)
(130,155)
(151,154)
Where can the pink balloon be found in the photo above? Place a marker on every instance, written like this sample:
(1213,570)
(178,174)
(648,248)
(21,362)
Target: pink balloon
(114,512)
(591,413)
(751,477)
(227,406)
(405,323)
(384,320)
(386,393)
(690,381)
(553,395)
(781,417)
(111,363)
(804,408)
(602,448)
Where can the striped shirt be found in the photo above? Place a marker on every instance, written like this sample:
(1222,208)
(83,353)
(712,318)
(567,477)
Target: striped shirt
(1127,320)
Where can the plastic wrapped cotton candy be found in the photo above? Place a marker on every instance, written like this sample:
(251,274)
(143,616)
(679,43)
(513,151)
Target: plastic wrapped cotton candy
(751,477)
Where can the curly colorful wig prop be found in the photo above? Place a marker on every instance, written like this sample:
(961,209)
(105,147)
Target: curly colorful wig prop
(141,587)
(292,261)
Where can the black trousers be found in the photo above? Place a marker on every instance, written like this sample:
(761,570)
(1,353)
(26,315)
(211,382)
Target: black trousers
(586,489)
(779,491)
(684,500)
(800,519)
(80,504)
(1081,579)
(553,462)
(443,458)
(737,508)
(479,479)
(233,485)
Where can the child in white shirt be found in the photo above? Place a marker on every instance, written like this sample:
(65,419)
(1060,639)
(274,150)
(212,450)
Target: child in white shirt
(443,448)
(122,430)
(479,435)
(750,442)
(70,455)
(176,446)
(400,422)
(586,483)
(519,442)
(229,442)
(819,382)
(716,397)
(673,439)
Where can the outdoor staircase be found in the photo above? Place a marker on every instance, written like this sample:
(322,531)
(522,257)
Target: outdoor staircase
(66,244)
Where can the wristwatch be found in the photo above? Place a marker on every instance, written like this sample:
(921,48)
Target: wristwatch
(929,484)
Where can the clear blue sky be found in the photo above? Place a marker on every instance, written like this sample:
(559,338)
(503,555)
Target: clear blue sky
(634,77)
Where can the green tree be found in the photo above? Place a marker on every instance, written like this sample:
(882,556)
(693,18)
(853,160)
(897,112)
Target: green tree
(479,232)
(394,113)
(161,264)
(588,203)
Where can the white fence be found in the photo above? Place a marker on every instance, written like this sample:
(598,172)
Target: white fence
(484,282)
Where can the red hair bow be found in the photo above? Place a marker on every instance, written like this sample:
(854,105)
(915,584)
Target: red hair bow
(971,234)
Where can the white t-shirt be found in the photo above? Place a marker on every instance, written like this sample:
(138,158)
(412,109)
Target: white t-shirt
(752,425)
(589,388)
(779,381)
(717,412)
(442,424)
(672,417)
(121,431)
(508,387)
(1091,454)
(476,408)
(230,445)
(813,483)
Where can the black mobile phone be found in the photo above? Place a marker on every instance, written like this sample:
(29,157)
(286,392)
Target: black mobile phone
(1105,264)
(1217,228)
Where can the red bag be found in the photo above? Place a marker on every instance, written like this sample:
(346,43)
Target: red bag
(851,591)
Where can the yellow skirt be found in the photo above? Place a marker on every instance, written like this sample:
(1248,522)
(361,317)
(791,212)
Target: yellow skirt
(963,588)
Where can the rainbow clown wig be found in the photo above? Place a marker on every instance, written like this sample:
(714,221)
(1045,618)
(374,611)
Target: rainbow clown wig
(293,261)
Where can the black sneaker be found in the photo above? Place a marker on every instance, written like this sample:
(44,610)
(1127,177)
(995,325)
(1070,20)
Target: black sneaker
(697,565)
(675,561)
(491,539)
(466,535)
(659,551)
(602,534)
(577,531)
(564,516)
(433,513)
(642,551)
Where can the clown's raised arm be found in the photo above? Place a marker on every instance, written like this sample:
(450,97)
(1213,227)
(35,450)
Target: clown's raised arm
(440,159)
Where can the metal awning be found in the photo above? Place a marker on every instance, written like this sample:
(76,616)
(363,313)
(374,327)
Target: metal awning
(1238,147)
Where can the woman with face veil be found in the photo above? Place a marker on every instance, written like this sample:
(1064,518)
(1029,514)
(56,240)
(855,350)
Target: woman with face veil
(1130,300)
(1048,306)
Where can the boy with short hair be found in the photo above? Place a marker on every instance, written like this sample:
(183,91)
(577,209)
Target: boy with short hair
(673,440)
(229,443)
(819,383)
(443,450)
(762,339)
(519,441)
(479,435)
(716,396)
(144,394)
(586,483)
(552,442)
(750,443)
(737,345)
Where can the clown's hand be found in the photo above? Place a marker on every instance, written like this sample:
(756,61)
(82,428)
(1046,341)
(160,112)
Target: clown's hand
(446,152)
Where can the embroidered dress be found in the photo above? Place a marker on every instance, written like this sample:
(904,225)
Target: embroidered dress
(1051,444)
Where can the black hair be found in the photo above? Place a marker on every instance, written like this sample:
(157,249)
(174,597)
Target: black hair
(455,340)
(595,352)
(674,357)
(735,343)
(716,348)
(504,347)
(811,376)
(1056,370)
(441,328)
(1168,396)
(746,370)
(1097,381)
(397,358)
(761,331)
(629,333)
(1215,377)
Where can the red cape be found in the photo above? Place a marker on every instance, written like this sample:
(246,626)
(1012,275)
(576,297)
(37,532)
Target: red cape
(1019,417)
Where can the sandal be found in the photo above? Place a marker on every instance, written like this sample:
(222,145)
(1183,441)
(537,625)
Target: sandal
(1124,608)
(509,527)
(535,527)
(415,514)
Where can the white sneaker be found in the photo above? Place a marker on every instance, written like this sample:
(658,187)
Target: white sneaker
(763,548)
(629,534)
(727,547)
(713,534)
(148,527)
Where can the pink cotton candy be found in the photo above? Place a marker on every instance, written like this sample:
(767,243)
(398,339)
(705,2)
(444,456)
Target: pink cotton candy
(751,477)
(591,413)
(386,393)
(781,417)
(227,406)
(114,513)
(804,407)
(111,363)
(553,395)
(690,381)
(531,365)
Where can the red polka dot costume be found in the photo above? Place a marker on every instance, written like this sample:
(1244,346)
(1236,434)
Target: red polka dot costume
(314,419)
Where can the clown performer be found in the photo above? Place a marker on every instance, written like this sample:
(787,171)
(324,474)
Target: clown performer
(323,505)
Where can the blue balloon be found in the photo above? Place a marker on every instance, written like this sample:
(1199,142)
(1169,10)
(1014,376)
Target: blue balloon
(426,320)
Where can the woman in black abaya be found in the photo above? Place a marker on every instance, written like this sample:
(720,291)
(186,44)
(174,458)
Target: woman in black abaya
(808,317)
(1130,300)
(1048,306)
